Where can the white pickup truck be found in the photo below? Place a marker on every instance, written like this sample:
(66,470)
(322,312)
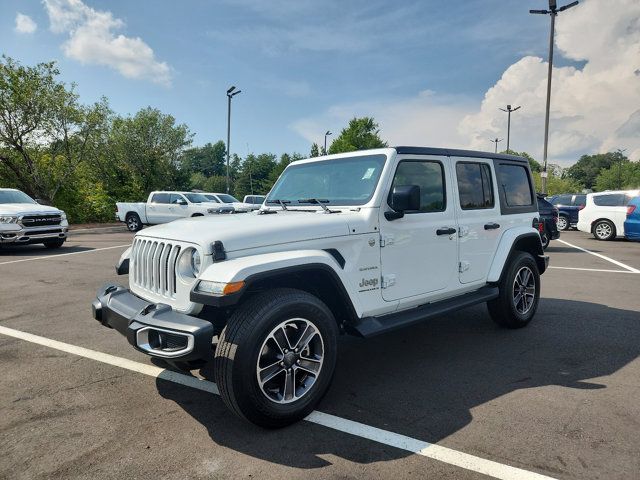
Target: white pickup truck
(164,207)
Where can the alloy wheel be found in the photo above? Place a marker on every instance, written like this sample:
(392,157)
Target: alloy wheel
(290,360)
(603,230)
(524,290)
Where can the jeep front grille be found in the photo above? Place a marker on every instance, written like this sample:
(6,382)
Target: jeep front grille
(154,266)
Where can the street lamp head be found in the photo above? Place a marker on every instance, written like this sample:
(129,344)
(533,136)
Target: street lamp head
(519,106)
(508,107)
(568,6)
(553,4)
(328,133)
(540,12)
(231,89)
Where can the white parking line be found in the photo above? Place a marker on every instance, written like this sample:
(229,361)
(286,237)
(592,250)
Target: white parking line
(402,442)
(615,262)
(592,269)
(48,257)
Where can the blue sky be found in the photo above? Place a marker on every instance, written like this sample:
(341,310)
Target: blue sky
(303,66)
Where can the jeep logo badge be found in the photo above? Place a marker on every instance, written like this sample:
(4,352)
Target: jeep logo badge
(372,242)
(370,282)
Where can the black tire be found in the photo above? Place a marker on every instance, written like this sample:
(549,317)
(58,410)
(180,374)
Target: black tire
(57,243)
(544,238)
(604,230)
(134,224)
(242,344)
(563,223)
(197,215)
(506,310)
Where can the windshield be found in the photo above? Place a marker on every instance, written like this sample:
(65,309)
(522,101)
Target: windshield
(346,181)
(15,196)
(196,197)
(227,198)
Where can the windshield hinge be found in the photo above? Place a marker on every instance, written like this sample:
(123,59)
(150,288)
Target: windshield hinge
(386,240)
(388,281)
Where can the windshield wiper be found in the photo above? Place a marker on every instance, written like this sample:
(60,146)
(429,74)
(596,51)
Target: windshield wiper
(282,203)
(317,201)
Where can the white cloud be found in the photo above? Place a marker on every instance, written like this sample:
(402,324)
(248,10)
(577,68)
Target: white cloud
(92,40)
(24,24)
(595,108)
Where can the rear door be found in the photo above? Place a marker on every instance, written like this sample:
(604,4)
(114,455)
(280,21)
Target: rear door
(158,209)
(478,214)
(419,251)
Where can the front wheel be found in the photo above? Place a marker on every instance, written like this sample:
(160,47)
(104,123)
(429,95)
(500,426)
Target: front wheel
(276,356)
(604,230)
(519,288)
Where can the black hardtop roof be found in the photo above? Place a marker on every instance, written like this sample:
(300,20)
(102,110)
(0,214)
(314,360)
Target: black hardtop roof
(457,153)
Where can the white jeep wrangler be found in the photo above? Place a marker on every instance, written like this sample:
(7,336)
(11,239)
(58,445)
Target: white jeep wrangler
(359,243)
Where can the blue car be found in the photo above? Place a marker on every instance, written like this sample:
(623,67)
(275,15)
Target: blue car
(568,205)
(632,223)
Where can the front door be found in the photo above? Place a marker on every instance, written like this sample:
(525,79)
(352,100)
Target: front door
(419,251)
(478,215)
(179,207)
(158,210)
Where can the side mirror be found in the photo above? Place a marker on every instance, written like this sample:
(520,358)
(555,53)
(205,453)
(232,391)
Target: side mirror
(181,201)
(403,198)
(42,201)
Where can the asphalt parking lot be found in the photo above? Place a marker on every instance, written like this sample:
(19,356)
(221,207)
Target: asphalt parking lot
(557,399)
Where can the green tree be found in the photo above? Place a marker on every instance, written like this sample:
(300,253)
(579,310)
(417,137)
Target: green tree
(587,169)
(315,151)
(361,134)
(45,133)
(535,166)
(147,148)
(620,176)
(208,160)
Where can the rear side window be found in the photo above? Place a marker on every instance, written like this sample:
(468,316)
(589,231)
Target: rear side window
(429,176)
(610,200)
(160,198)
(562,200)
(580,201)
(514,183)
(474,185)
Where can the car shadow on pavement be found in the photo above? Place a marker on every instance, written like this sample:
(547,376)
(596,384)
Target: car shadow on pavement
(38,250)
(424,381)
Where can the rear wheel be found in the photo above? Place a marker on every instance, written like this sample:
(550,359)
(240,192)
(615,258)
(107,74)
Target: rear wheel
(519,293)
(544,238)
(276,356)
(563,223)
(57,243)
(133,222)
(604,230)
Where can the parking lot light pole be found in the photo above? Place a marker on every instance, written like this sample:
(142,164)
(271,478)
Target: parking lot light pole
(325,141)
(509,110)
(552,12)
(231,92)
(496,141)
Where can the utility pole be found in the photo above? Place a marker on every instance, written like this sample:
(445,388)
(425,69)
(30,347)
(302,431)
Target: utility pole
(325,141)
(553,11)
(231,92)
(496,141)
(509,110)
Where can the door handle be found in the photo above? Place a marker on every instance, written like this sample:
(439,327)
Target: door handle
(491,226)
(446,231)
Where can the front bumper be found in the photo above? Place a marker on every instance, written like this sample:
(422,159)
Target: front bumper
(154,329)
(32,235)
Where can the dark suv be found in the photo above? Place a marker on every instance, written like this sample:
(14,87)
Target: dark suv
(568,205)
(549,217)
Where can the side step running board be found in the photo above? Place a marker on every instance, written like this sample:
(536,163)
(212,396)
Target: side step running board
(371,326)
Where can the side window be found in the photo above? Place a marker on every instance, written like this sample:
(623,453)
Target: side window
(611,200)
(429,176)
(562,200)
(175,198)
(474,185)
(514,183)
(160,198)
(580,201)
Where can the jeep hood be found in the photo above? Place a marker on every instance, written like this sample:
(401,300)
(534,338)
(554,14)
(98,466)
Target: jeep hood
(250,230)
(21,208)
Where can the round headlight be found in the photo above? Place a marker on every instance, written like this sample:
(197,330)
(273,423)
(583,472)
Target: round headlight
(196,262)
(189,264)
